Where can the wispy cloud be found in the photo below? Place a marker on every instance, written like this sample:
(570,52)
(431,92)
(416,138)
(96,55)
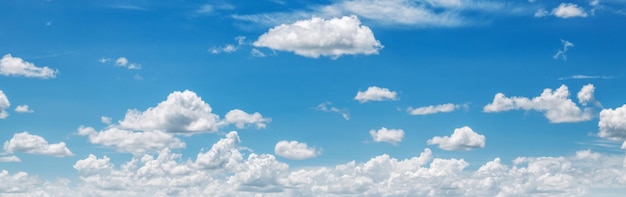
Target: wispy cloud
(587,77)
(328,107)
(561,52)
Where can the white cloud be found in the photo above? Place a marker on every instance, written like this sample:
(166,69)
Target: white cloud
(34,144)
(433,109)
(568,10)
(123,62)
(23,109)
(561,52)
(240,118)
(555,105)
(260,173)
(463,138)
(229,48)
(586,77)
(392,136)
(328,107)
(4,104)
(295,150)
(132,142)
(320,37)
(612,124)
(15,66)
(585,95)
(12,158)
(541,13)
(106,120)
(374,93)
(223,154)
(257,53)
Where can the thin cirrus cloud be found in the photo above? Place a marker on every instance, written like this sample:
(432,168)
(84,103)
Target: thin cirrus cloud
(317,37)
(34,144)
(375,93)
(586,77)
(555,104)
(561,52)
(391,136)
(463,138)
(328,107)
(295,150)
(15,66)
(433,109)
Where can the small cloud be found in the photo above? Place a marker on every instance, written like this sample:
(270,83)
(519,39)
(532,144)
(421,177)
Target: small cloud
(257,53)
(34,144)
(23,109)
(15,66)
(463,138)
(433,109)
(295,150)
(374,93)
(106,120)
(205,9)
(229,48)
(7,159)
(48,23)
(586,77)
(104,60)
(561,52)
(4,104)
(121,62)
(392,136)
(568,10)
(541,13)
(328,107)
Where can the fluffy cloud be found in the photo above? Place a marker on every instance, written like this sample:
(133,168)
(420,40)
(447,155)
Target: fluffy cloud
(374,93)
(612,123)
(123,62)
(240,118)
(34,144)
(11,158)
(4,104)
(132,142)
(23,109)
(433,109)
(568,10)
(392,136)
(463,138)
(295,150)
(556,105)
(320,37)
(585,95)
(223,154)
(561,52)
(15,66)
(328,107)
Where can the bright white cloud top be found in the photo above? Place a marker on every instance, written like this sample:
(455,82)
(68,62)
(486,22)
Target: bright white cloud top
(15,66)
(34,144)
(240,119)
(433,109)
(392,136)
(320,37)
(4,104)
(568,10)
(23,109)
(556,105)
(463,138)
(375,93)
(612,123)
(295,150)
(132,142)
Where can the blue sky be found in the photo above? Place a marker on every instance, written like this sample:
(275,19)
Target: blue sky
(312,98)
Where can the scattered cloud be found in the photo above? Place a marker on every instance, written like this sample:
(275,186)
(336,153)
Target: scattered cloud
(23,109)
(240,119)
(320,37)
(4,104)
(463,138)
(392,136)
(132,142)
(229,48)
(106,120)
(15,66)
(541,13)
(34,144)
(257,53)
(121,62)
(8,159)
(561,52)
(586,77)
(586,96)
(433,109)
(568,10)
(374,93)
(612,124)
(295,150)
(556,105)
(328,107)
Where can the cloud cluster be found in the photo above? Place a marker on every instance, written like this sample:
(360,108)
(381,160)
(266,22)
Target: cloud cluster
(295,150)
(556,105)
(375,93)
(317,37)
(15,66)
(463,138)
(433,109)
(392,136)
(34,144)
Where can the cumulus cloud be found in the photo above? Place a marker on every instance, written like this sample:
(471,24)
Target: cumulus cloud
(561,52)
(612,124)
(433,109)
(556,105)
(568,10)
(12,158)
(121,62)
(34,144)
(585,95)
(23,109)
(374,93)
(392,136)
(320,37)
(4,104)
(463,138)
(240,119)
(15,66)
(295,150)
(132,142)
(106,120)
(328,107)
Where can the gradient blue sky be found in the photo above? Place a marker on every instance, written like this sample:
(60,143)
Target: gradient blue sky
(402,88)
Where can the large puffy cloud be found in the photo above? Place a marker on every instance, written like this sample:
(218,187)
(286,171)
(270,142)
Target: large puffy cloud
(4,104)
(320,37)
(15,66)
(612,123)
(375,93)
(132,142)
(295,150)
(556,105)
(34,144)
(463,138)
(392,136)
